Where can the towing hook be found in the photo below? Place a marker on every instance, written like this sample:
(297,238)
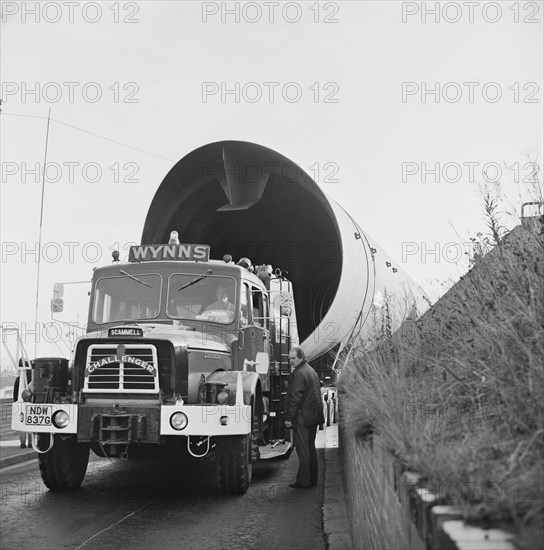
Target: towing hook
(198,443)
(35,443)
(124,454)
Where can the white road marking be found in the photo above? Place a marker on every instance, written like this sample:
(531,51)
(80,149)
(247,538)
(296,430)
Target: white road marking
(116,523)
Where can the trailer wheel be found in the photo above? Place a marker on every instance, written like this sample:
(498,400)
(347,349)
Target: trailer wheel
(65,465)
(233,463)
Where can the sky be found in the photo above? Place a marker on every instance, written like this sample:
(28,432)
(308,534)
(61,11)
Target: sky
(401,111)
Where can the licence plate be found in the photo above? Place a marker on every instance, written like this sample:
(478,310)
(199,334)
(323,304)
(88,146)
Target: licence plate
(38,415)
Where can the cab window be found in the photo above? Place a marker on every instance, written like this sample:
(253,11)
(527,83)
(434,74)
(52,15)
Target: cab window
(204,298)
(127,298)
(259,308)
(244,304)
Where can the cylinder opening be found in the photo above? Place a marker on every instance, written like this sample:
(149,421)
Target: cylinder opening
(247,200)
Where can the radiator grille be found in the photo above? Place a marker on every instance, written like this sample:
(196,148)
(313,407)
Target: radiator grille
(123,367)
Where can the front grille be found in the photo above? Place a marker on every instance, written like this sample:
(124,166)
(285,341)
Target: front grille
(123,367)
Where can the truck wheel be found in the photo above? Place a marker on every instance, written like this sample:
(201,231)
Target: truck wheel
(233,463)
(65,465)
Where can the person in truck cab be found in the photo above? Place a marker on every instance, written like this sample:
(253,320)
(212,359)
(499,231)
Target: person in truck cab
(222,300)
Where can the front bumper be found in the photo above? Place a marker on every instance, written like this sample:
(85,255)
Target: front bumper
(202,420)
(206,420)
(39,417)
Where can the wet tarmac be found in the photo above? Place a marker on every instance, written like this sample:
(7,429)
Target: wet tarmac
(146,504)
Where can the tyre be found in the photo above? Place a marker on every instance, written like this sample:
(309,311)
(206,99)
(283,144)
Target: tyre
(65,465)
(233,463)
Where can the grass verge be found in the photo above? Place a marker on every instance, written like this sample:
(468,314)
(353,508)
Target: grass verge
(458,396)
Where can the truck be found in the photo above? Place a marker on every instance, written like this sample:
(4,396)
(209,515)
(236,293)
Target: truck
(188,355)
(182,352)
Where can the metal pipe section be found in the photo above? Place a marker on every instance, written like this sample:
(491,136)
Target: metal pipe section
(249,201)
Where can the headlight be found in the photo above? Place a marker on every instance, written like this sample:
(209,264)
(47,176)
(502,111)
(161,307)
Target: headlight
(178,421)
(26,395)
(222,397)
(61,419)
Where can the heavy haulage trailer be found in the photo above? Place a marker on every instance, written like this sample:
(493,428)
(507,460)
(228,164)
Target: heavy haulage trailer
(188,355)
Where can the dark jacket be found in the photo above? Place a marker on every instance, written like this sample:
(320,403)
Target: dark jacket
(305,397)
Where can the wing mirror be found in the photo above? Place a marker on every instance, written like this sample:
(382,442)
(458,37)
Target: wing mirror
(262,363)
(57,303)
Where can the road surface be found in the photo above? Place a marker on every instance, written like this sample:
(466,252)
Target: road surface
(146,504)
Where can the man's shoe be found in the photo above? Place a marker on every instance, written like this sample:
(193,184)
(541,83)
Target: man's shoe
(23,446)
(298,486)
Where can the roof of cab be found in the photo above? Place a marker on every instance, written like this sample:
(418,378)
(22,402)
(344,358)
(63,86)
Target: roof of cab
(173,266)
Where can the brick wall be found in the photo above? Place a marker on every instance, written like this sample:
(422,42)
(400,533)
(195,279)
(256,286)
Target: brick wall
(387,510)
(378,497)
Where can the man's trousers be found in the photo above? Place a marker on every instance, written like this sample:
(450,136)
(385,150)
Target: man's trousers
(304,439)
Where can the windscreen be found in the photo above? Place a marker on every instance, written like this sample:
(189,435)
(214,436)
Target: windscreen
(207,298)
(127,298)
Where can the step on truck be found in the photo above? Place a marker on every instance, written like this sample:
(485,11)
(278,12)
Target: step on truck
(182,354)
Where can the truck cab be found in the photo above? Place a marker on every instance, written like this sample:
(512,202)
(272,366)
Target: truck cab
(216,312)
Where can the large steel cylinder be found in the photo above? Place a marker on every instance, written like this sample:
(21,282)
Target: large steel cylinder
(250,201)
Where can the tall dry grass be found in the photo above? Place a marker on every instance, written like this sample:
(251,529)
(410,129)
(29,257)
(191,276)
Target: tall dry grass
(458,396)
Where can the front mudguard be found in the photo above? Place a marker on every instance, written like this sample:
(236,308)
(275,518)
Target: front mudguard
(251,385)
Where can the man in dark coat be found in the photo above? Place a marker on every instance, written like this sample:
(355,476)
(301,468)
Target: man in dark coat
(304,414)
